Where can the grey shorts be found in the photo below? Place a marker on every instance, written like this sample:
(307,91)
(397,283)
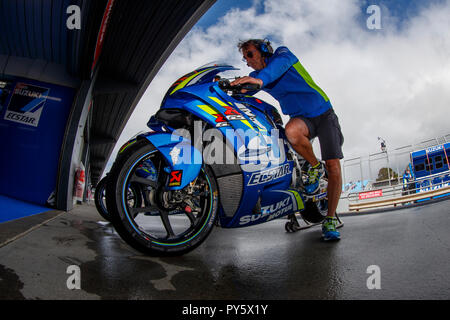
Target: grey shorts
(326,127)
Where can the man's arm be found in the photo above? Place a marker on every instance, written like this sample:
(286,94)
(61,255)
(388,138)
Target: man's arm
(281,61)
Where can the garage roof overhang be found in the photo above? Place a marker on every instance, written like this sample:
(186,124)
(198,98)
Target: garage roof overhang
(139,36)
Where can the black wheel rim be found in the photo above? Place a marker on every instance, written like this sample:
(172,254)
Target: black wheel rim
(153,222)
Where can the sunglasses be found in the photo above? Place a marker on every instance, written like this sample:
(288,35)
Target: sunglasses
(247,55)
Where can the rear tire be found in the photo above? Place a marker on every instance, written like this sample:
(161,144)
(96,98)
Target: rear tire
(134,195)
(315,212)
(152,229)
(99,199)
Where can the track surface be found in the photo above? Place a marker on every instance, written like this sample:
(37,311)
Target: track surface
(411,247)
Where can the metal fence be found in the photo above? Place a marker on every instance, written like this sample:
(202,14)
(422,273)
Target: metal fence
(432,187)
(426,184)
(366,168)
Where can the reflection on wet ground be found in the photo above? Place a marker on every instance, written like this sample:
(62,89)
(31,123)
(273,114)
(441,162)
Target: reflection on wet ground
(260,262)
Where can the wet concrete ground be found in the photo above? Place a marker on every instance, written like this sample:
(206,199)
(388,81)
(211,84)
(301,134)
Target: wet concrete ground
(411,247)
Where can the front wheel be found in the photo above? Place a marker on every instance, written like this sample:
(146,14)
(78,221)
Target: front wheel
(170,222)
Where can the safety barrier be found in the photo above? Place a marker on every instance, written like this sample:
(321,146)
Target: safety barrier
(366,167)
(399,200)
(393,196)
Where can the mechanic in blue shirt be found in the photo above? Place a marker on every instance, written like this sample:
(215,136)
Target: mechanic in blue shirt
(406,178)
(281,74)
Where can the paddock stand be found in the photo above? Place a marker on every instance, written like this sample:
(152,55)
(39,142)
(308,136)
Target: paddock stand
(293,224)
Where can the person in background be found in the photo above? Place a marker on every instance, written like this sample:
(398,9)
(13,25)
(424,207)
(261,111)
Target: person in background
(405,179)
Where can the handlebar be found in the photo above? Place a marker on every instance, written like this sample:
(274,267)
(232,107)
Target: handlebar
(224,84)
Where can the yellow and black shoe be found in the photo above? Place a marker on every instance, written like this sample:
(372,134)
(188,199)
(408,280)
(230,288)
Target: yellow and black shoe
(329,232)
(315,173)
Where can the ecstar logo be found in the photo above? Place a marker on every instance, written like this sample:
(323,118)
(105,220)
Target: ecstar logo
(26,104)
(269,175)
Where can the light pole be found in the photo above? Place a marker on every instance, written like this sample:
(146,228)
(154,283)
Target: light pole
(383,144)
(384,149)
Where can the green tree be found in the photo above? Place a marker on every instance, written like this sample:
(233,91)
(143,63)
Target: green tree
(383,174)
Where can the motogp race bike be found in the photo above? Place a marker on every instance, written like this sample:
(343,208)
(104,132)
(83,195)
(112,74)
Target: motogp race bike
(134,197)
(214,157)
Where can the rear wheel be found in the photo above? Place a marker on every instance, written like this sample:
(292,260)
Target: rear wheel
(170,222)
(99,199)
(134,197)
(315,212)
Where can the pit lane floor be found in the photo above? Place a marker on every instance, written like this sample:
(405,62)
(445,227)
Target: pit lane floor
(410,246)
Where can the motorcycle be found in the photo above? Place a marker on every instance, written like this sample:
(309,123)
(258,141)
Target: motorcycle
(215,157)
(135,193)
(134,197)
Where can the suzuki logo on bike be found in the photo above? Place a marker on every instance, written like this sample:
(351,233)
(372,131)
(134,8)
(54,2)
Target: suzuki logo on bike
(261,151)
(230,111)
(274,207)
(175,178)
(270,212)
(220,118)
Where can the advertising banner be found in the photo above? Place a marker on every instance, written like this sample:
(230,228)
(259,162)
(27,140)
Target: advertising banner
(33,118)
(5,90)
(370,194)
(26,104)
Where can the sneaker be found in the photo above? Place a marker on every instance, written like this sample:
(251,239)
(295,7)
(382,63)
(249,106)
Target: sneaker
(314,175)
(329,231)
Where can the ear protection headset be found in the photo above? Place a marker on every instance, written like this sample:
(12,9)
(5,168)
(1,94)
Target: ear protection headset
(264,47)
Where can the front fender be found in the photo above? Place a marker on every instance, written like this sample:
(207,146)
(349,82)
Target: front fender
(184,161)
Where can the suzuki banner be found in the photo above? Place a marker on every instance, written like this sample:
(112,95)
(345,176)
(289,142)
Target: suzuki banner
(33,118)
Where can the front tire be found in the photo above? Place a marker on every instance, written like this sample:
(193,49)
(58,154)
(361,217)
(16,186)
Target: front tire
(170,222)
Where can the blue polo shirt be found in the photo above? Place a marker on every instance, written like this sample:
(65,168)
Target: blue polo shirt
(287,81)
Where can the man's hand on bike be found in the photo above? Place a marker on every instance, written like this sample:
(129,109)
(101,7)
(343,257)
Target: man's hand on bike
(247,80)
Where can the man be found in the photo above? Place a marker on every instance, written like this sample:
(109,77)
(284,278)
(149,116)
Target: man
(311,115)
(406,177)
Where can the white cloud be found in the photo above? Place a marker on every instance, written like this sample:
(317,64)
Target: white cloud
(390,83)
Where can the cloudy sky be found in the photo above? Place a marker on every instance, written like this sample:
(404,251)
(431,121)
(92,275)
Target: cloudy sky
(392,82)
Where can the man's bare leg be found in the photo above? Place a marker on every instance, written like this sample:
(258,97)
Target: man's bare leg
(334,185)
(298,135)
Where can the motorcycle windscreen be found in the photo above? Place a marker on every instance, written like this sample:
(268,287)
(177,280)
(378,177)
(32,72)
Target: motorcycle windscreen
(201,75)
